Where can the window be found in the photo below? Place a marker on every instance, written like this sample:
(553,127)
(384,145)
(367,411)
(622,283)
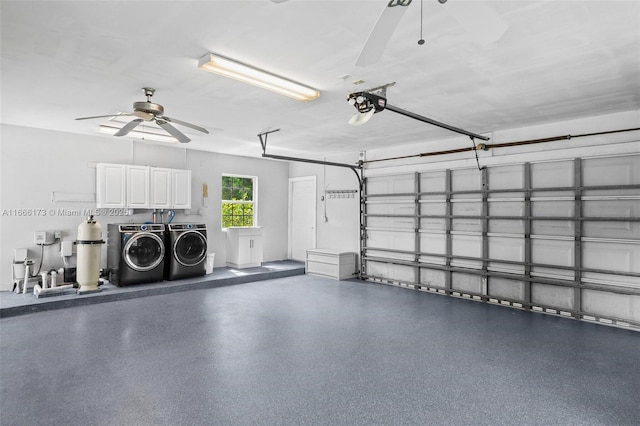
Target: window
(239,195)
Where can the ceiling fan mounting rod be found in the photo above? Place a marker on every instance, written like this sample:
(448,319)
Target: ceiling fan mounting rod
(435,122)
(148,92)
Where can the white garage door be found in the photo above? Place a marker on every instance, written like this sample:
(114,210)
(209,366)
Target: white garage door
(561,237)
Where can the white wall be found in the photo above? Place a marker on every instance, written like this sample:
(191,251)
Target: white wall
(340,231)
(34,163)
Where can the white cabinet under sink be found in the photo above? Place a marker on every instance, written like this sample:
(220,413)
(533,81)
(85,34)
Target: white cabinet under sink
(244,247)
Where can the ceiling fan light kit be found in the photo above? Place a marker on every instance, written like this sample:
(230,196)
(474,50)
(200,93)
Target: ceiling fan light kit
(239,71)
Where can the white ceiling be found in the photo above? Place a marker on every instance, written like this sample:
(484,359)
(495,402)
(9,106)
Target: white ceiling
(558,60)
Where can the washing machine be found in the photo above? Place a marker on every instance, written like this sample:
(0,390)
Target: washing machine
(186,250)
(135,253)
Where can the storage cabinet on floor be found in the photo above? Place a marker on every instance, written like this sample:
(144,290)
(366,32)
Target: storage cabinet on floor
(331,263)
(244,247)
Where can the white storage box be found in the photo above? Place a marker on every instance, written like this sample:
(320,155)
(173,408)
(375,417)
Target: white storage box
(331,263)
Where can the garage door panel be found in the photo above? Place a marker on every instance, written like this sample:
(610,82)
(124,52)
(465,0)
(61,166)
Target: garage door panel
(552,252)
(506,289)
(506,177)
(390,208)
(553,174)
(390,239)
(468,246)
(467,225)
(506,248)
(435,207)
(505,267)
(466,208)
(391,184)
(433,243)
(553,208)
(611,255)
(611,170)
(433,181)
(466,283)
(432,278)
(560,228)
(627,208)
(506,226)
(466,179)
(611,305)
(552,296)
(395,223)
(506,208)
(617,230)
(433,224)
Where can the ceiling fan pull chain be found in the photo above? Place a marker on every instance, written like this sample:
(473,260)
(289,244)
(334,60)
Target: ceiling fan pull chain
(421,41)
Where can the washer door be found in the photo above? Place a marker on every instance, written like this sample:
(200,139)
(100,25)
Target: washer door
(190,248)
(143,251)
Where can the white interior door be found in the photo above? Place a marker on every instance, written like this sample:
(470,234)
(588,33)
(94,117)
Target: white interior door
(302,216)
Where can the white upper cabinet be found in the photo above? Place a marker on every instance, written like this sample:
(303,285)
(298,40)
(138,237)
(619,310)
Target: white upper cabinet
(138,187)
(161,188)
(142,187)
(111,189)
(181,189)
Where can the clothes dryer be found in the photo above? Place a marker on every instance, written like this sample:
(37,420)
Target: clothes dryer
(186,250)
(135,253)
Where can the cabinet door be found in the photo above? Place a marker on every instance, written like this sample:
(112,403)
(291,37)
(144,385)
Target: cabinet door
(138,187)
(244,249)
(161,188)
(181,189)
(256,249)
(110,186)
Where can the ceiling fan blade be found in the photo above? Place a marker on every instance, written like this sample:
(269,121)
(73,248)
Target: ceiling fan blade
(382,32)
(128,127)
(479,19)
(278,1)
(173,131)
(184,123)
(102,116)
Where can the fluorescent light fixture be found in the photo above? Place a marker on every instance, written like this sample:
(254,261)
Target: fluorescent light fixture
(226,67)
(139,134)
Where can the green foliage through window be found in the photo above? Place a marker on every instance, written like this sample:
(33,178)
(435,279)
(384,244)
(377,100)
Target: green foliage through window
(237,201)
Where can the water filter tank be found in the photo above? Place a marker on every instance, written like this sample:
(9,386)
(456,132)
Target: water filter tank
(89,245)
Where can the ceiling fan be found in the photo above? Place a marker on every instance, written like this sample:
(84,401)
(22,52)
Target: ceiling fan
(149,111)
(476,17)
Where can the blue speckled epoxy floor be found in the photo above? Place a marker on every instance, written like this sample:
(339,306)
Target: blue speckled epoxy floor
(308,350)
